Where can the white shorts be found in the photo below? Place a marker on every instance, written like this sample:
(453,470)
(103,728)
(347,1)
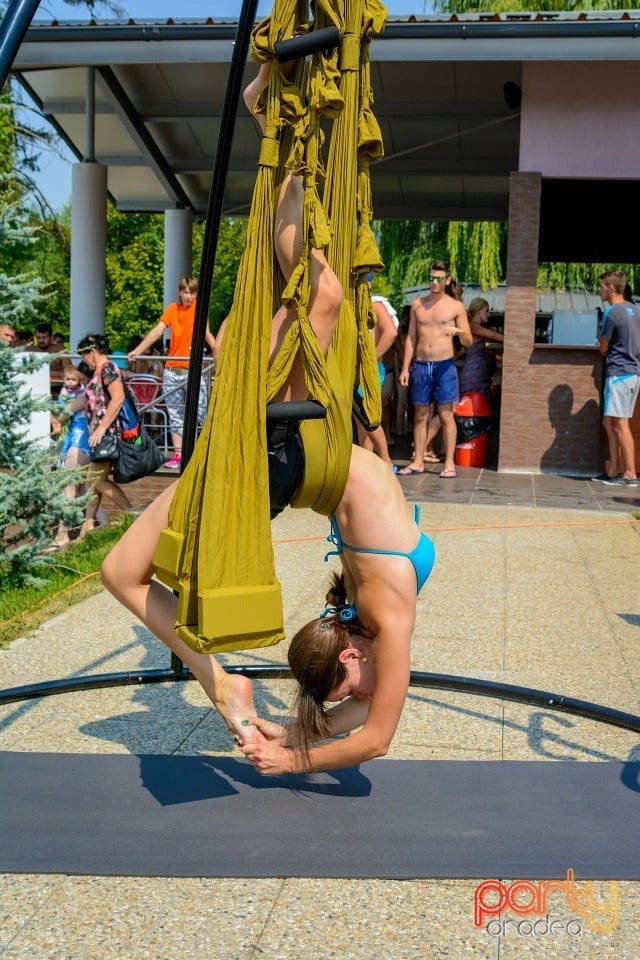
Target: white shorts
(620,395)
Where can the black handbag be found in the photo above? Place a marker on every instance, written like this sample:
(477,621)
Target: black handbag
(107,449)
(137,458)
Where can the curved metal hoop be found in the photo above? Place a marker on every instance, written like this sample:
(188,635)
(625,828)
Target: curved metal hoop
(433,681)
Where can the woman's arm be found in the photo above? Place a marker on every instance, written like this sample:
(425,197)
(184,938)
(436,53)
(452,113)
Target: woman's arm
(66,412)
(345,716)
(391,659)
(116,399)
(385,332)
(210,341)
(218,340)
(154,334)
(487,333)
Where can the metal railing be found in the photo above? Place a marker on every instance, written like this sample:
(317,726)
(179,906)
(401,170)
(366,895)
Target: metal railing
(154,411)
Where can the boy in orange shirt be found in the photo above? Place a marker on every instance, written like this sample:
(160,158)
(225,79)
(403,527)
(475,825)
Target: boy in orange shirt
(179,319)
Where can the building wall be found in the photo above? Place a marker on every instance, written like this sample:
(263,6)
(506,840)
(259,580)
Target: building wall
(581,119)
(571,115)
(550,419)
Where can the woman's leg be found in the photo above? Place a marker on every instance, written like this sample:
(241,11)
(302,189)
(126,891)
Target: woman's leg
(102,488)
(96,473)
(127,573)
(325,295)
(252,93)
(375,441)
(73,458)
(110,490)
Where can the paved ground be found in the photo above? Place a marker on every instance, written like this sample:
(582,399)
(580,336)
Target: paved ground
(536,584)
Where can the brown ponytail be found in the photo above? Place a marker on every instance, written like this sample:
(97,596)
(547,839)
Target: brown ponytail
(313,657)
(337,593)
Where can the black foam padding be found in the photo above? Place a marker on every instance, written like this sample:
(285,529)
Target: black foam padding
(201,816)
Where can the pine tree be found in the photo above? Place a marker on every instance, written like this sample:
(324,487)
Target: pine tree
(32,499)
(21,295)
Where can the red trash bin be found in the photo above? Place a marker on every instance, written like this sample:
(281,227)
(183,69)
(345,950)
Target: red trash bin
(473,418)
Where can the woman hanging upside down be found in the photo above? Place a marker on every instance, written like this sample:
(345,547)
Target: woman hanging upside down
(356,654)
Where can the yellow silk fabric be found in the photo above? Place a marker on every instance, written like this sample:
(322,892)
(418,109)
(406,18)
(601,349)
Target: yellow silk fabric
(216,552)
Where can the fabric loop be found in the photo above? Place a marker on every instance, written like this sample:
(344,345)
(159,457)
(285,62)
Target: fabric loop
(367,257)
(369,135)
(269,152)
(291,292)
(350,53)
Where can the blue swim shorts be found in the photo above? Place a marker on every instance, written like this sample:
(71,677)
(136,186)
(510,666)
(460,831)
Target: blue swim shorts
(433,381)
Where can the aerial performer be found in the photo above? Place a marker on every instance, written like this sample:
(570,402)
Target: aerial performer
(352,660)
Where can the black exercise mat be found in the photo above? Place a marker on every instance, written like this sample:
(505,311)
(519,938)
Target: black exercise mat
(206,816)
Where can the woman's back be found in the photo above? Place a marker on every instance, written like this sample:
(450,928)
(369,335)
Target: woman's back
(373,511)
(374,515)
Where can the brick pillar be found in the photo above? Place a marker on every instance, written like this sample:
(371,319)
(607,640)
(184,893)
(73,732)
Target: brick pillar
(520,319)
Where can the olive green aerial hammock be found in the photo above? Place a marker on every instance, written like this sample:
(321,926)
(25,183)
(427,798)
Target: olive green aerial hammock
(216,552)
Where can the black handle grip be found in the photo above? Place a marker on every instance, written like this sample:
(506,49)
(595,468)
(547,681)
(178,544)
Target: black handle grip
(296,48)
(296,410)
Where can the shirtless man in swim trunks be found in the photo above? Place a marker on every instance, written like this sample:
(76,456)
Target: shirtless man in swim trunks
(429,370)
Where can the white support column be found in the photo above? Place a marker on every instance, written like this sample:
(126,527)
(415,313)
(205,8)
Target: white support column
(178,230)
(88,249)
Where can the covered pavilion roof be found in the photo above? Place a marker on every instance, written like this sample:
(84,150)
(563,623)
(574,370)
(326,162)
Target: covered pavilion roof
(445,90)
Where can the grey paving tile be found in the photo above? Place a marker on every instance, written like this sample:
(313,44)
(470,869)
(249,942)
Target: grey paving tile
(537,593)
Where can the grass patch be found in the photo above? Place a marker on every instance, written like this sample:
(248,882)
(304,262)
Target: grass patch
(72,578)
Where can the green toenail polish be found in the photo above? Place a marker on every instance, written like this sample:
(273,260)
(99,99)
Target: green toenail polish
(245,723)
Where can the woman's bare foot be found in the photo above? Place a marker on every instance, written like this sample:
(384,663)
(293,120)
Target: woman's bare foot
(88,526)
(237,709)
(57,545)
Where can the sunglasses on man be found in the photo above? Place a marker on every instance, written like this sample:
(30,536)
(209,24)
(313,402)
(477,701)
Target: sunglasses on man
(437,279)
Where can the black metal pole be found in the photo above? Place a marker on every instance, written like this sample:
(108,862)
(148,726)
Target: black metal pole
(212,225)
(15,24)
(434,681)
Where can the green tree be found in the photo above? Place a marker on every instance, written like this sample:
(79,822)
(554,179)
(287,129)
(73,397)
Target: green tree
(21,294)
(134,265)
(51,260)
(32,500)
(34,254)
(7,140)
(231,240)
(582,276)
(476,252)
(407,248)
(32,492)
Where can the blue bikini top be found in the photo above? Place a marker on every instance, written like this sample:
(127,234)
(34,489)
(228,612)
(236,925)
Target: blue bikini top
(422,557)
